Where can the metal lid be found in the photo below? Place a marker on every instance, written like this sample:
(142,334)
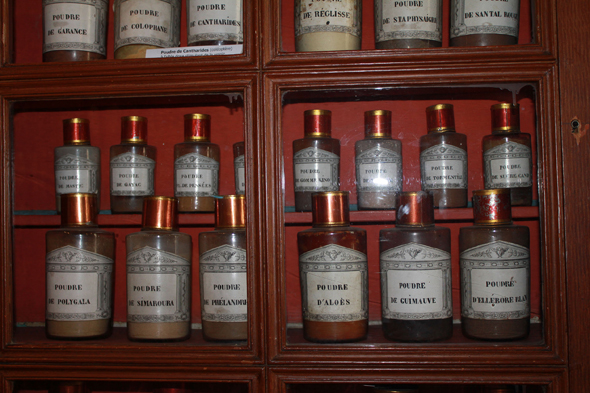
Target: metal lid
(330,208)
(498,389)
(70,387)
(378,124)
(230,211)
(492,207)
(78,209)
(197,127)
(440,118)
(317,123)
(160,212)
(505,118)
(415,208)
(76,131)
(134,129)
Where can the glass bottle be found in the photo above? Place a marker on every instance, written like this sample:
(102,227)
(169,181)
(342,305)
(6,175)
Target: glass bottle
(495,271)
(507,156)
(240,167)
(408,24)
(333,273)
(416,287)
(216,22)
(483,23)
(74,30)
(379,175)
(223,272)
(443,158)
(196,166)
(327,25)
(395,389)
(79,265)
(76,163)
(316,159)
(145,24)
(159,275)
(133,163)
(498,389)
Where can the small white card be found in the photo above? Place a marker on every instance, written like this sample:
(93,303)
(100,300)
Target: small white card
(189,51)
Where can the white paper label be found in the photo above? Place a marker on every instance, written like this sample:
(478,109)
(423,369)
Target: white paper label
(414,19)
(341,16)
(379,170)
(240,175)
(495,278)
(75,174)
(196,175)
(132,174)
(508,165)
(443,166)
(79,285)
(316,170)
(484,17)
(147,22)
(214,20)
(334,284)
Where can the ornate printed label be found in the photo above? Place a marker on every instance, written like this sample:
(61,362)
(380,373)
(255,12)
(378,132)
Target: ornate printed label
(508,165)
(224,291)
(417,283)
(316,170)
(495,281)
(75,174)
(240,175)
(158,286)
(416,19)
(443,166)
(339,16)
(79,285)
(147,22)
(74,25)
(334,284)
(484,17)
(379,170)
(132,174)
(219,20)
(196,175)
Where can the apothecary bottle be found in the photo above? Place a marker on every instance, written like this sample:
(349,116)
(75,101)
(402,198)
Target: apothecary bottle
(196,166)
(145,24)
(74,30)
(159,275)
(76,163)
(240,167)
(443,158)
(498,389)
(415,259)
(214,22)
(408,24)
(223,273)
(133,163)
(69,387)
(79,265)
(379,175)
(333,273)
(484,23)
(327,25)
(495,271)
(507,155)
(395,389)
(316,159)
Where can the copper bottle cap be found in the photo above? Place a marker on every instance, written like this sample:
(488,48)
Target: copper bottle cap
(134,129)
(72,387)
(330,208)
(492,207)
(317,123)
(230,211)
(197,127)
(498,389)
(78,209)
(440,118)
(76,131)
(378,124)
(160,212)
(505,118)
(415,208)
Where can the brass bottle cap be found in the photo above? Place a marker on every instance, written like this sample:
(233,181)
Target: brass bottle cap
(76,131)
(498,389)
(134,129)
(415,208)
(330,208)
(70,387)
(492,207)
(505,118)
(160,212)
(378,124)
(197,127)
(317,123)
(230,211)
(440,118)
(78,209)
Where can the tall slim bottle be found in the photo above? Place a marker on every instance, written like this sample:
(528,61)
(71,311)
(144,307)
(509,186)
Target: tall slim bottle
(77,164)
(196,166)
(333,273)
(133,163)
(79,265)
(443,158)
(495,271)
(240,167)
(416,287)
(316,159)
(159,275)
(223,272)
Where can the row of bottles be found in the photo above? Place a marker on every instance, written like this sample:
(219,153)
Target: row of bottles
(507,159)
